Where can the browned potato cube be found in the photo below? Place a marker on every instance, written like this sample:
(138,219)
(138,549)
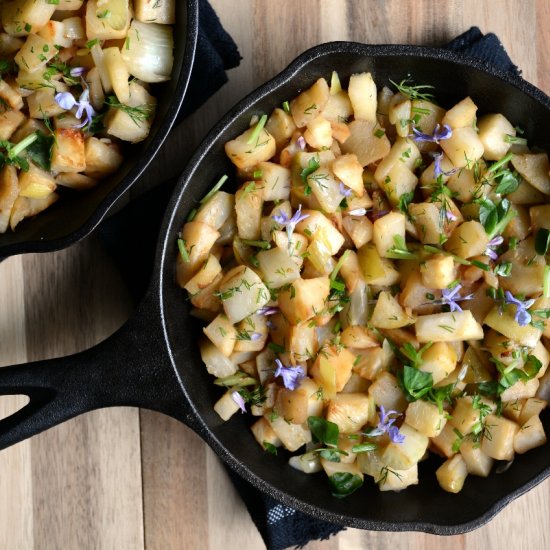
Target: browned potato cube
(42,104)
(68,151)
(25,207)
(36,183)
(9,122)
(102,157)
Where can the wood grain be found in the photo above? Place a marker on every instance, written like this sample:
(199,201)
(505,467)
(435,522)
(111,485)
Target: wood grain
(128,480)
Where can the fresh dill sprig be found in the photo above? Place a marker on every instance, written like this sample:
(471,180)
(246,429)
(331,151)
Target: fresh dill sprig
(414,92)
(138,114)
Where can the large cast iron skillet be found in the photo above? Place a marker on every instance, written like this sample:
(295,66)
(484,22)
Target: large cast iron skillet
(153,361)
(78,213)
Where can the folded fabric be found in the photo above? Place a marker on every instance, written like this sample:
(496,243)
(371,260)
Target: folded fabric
(131,237)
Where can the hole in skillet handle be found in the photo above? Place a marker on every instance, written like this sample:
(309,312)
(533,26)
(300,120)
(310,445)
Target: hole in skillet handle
(130,368)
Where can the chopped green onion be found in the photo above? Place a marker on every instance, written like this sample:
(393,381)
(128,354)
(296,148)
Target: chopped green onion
(92,43)
(495,166)
(339,264)
(337,285)
(286,106)
(508,138)
(256,133)
(379,133)
(546,282)
(214,189)
(192,215)
(257,174)
(257,244)
(183,251)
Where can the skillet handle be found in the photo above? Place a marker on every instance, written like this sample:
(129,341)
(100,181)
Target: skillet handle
(130,368)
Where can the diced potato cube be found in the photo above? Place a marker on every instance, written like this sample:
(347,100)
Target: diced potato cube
(9,122)
(102,158)
(425,418)
(275,180)
(68,151)
(317,226)
(444,442)
(477,462)
(463,147)
(107,26)
(530,435)
(359,229)
(43,105)
(292,436)
(226,406)
(386,229)
(36,183)
(532,407)
(397,480)
(318,134)
(385,391)
(400,180)
(348,169)
(438,271)
(217,210)
(493,129)
(248,207)
(9,189)
(427,218)
(367,141)
(467,240)
(309,103)
(11,96)
(452,474)
(118,73)
(465,416)
(500,444)
(521,390)
(404,455)
(535,169)
(338,107)
(461,115)
(277,267)
(305,299)
(263,433)
(25,16)
(332,369)
(326,189)
(349,411)
(204,276)
(35,53)
(222,334)
(399,114)
(388,313)
(448,327)
(376,270)
(163,13)
(526,194)
(505,323)
(30,126)
(216,363)
(133,127)
(363,97)
(281,126)
(54,33)
(403,151)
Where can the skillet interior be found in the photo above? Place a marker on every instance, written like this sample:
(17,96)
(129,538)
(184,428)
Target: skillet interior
(77,213)
(424,507)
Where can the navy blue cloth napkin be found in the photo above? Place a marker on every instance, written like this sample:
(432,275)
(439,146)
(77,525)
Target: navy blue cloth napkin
(131,236)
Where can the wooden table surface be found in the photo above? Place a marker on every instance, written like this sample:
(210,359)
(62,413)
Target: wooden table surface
(126,479)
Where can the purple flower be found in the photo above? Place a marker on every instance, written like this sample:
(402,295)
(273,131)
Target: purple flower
(255,335)
(301,142)
(357,212)
(344,190)
(291,375)
(238,398)
(438,171)
(450,216)
(77,71)
(522,316)
(492,245)
(290,224)
(450,297)
(67,101)
(385,425)
(268,310)
(438,135)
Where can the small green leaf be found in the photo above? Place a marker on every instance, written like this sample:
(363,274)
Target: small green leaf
(343,484)
(323,430)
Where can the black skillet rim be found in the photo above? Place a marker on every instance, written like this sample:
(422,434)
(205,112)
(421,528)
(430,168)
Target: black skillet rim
(137,171)
(164,276)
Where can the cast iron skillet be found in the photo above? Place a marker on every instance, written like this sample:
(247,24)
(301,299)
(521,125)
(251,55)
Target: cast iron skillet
(153,360)
(78,213)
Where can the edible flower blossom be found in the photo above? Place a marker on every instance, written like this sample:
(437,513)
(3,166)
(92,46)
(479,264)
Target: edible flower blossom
(438,171)
(238,398)
(254,335)
(450,297)
(67,101)
(522,316)
(291,375)
(77,71)
(385,425)
(290,224)
(494,243)
(345,191)
(439,134)
(301,142)
(268,310)
(450,216)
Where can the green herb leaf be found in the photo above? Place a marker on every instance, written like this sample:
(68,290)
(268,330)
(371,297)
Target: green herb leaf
(312,165)
(343,484)
(542,241)
(415,383)
(270,448)
(40,151)
(364,447)
(508,182)
(323,430)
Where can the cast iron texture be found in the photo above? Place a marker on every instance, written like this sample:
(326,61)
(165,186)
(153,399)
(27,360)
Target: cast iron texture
(154,361)
(78,213)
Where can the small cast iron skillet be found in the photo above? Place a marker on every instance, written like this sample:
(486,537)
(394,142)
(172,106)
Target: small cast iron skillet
(78,213)
(153,361)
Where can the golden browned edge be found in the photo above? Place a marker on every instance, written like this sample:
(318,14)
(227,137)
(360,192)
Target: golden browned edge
(137,480)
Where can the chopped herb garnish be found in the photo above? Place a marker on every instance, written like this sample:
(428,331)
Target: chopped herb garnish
(183,251)
(343,484)
(286,106)
(138,114)
(92,43)
(270,448)
(214,189)
(255,135)
(414,92)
